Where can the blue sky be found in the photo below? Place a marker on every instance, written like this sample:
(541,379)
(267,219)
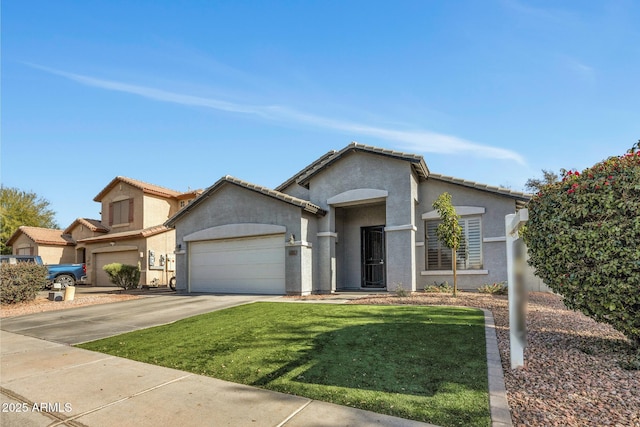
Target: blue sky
(180,93)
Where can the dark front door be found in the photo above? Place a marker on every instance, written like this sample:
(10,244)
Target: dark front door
(373,271)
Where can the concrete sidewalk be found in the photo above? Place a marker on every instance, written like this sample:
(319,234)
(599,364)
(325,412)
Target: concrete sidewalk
(51,384)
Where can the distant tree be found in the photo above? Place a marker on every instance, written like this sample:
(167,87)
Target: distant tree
(449,231)
(535,185)
(18,208)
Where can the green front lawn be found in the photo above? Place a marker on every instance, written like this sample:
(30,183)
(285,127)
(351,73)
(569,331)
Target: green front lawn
(416,362)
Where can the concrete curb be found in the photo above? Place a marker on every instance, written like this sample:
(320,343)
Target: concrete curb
(500,412)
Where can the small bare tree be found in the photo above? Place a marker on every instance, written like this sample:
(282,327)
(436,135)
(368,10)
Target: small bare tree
(449,231)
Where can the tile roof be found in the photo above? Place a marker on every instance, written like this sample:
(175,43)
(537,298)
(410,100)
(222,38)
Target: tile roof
(43,236)
(146,187)
(479,186)
(305,204)
(124,235)
(228,179)
(305,175)
(92,224)
(191,194)
(304,171)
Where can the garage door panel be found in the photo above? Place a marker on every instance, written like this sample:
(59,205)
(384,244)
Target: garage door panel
(248,265)
(102,259)
(237,257)
(216,273)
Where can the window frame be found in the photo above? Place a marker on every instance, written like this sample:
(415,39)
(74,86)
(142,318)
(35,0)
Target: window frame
(461,257)
(123,218)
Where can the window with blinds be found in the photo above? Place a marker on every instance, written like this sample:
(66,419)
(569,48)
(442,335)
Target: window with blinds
(468,256)
(121,212)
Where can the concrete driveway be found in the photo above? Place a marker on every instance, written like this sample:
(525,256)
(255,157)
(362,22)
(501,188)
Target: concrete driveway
(93,322)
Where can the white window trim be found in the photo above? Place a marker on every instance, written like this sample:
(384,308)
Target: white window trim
(469,212)
(450,272)
(460,210)
(494,239)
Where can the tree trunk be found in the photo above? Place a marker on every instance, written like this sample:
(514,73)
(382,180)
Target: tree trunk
(455,275)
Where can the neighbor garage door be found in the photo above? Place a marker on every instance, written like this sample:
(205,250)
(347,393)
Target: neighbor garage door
(247,265)
(102,259)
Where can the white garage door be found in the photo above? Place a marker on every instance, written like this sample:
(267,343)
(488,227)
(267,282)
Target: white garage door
(249,265)
(102,259)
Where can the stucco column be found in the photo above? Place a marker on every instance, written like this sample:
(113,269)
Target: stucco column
(401,257)
(299,269)
(400,235)
(326,254)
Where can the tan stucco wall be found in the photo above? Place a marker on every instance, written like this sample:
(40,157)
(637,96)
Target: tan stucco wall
(157,210)
(79,231)
(50,254)
(23,243)
(161,244)
(123,191)
(138,245)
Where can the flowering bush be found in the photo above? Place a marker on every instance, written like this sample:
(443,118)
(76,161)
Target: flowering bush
(583,236)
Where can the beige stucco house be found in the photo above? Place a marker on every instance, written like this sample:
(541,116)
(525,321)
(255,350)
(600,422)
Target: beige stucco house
(52,245)
(130,231)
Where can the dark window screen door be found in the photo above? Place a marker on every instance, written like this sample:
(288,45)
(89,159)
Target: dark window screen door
(373,271)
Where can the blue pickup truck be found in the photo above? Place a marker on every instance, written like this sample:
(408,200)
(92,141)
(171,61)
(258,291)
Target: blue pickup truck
(65,274)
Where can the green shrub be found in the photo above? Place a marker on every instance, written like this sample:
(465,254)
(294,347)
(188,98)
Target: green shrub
(443,287)
(583,236)
(495,289)
(402,292)
(21,282)
(123,275)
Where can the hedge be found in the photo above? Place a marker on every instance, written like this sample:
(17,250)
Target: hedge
(583,236)
(21,282)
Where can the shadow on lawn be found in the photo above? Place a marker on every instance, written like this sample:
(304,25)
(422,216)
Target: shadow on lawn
(406,358)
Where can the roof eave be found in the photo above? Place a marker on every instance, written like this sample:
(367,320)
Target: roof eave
(417,161)
(303,204)
(517,195)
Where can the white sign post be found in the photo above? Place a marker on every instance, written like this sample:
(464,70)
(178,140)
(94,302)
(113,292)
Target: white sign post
(516,264)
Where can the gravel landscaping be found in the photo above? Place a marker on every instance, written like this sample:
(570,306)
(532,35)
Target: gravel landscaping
(574,372)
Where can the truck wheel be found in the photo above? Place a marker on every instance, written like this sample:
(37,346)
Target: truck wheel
(65,280)
(172,283)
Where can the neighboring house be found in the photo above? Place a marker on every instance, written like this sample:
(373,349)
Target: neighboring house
(131,230)
(53,246)
(356,219)
(83,228)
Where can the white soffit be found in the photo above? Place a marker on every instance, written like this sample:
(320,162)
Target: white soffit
(358,196)
(460,210)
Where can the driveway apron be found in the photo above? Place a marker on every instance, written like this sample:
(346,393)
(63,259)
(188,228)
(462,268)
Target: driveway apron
(94,322)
